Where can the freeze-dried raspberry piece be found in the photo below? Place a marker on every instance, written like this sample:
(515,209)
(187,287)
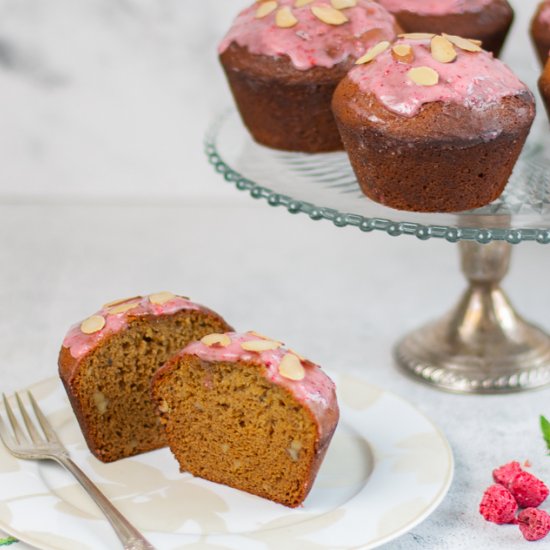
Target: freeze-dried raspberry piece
(534,523)
(498,505)
(528,490)
(506,473)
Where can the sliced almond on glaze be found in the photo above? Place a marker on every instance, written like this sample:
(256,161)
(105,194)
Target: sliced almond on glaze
(373,52)
(301,357)
(328,15)
(301,3)
(285,18)
(122,308)
(403,53)
(262,336)
(92,324)
(476,41)
(417,35)
(211,340)
(423,76)
(343,4)
(443,50)
(260,345)
(290,367)
(265,8)
(120,301)
(161,297)
(462,43)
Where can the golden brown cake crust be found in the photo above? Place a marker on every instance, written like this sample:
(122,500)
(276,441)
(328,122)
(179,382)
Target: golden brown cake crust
(491,25)
(278,102)
(468,166)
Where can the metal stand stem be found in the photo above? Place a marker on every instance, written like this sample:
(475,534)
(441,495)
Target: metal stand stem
(483,345)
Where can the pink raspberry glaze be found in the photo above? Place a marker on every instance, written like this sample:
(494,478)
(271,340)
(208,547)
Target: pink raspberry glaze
(316,390)
(475,79)
(434,7)
(79,343)
(311,43)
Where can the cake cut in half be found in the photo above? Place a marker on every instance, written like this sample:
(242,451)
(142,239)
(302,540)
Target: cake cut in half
(242,410)
(107,362)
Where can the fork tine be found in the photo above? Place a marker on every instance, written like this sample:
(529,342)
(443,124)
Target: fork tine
(33,432)
(20,436)
(44,422)
(5,435)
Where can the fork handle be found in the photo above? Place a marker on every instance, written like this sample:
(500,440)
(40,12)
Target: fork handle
(130,537)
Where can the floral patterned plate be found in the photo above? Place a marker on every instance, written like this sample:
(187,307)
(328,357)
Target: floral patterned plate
(387,469)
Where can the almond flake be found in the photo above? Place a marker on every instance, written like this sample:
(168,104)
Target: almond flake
(373,52)
(403,53)
(328,15)
(290,367)
(122,308)
(216,340)
(260,345)
(462,43)
(476,41)
(262,336)
(301,3)
(417,35)
(121,301)
(343,4)
(301,357)
(92,324)
(285,18)
(161,298)
(423,76)
(265,8)
(443,50)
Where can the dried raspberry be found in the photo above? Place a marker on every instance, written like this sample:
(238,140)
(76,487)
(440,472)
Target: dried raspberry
(506,473)
(528,490)
(534,524)
(498,505)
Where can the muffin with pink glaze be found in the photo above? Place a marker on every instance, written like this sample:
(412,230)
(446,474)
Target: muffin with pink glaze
(107,362)
(485,20)
(243,410)
(433,124)
(284,58)
(540,31)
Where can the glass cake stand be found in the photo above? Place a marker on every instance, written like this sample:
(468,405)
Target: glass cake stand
(482,345)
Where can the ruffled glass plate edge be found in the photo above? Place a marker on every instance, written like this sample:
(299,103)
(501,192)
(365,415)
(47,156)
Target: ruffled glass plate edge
(452,234)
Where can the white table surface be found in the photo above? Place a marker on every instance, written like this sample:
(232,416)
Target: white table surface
(105,192)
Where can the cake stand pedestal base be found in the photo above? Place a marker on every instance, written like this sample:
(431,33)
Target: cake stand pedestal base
(483,345)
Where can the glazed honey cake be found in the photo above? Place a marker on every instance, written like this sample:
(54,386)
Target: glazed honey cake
(242,410)
(432,123)
(107,362)
(284,58)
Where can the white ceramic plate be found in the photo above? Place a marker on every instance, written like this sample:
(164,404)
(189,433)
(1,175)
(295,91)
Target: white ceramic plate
(387,469)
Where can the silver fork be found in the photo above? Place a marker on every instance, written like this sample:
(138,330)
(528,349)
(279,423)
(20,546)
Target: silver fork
(51,448)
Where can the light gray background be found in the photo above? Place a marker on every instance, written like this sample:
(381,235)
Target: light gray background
(105,192)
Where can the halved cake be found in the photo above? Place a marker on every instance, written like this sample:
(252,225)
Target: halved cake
(242,410)
(107,362)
